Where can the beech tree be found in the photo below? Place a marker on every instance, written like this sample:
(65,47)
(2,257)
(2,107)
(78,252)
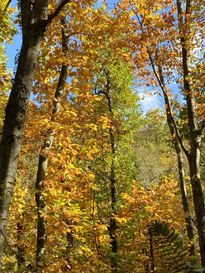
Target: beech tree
(35,18)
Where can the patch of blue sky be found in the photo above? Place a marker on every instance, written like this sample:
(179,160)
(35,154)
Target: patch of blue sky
(150,101)
(14,48)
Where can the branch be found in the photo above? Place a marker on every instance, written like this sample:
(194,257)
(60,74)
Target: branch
(16,254)
(161,83)
(9,244)
(188,6)
(179,7)
(7,5)
(167,102)
(56,12)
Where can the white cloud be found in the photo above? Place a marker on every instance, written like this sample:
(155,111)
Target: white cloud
(150,101)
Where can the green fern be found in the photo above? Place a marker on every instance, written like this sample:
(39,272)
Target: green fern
(170,254)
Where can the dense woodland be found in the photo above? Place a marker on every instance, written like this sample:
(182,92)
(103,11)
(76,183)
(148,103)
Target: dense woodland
(89,182)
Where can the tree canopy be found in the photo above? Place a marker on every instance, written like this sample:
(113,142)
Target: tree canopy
(89,180)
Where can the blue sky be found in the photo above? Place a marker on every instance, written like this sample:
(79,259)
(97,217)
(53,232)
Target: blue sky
(13,49)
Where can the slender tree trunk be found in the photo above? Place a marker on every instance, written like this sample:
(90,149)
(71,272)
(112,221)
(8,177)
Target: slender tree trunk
(113,222)
(70,243)
(41,203)
(173,132)
(151,251)
(113,182)
(194,166)
(34,19)
(176,141)
(185,204)
(195,132)
(43,163)
(20,248)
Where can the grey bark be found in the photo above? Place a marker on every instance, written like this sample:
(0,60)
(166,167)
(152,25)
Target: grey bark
(34,20)
(43,163)
(41,203)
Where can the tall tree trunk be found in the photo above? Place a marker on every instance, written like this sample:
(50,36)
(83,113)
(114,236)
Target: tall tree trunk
(17,107)
(194,167)
(43,163)
(70,244)
(185,204)
(195,131)
(41,203)
(175,139)
(113,222)
(34,18)
(151,251)
(113,181)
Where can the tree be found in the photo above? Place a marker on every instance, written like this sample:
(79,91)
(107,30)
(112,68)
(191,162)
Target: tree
(158,41)
(119,102)
(105,173)
(34,21)
(43,160)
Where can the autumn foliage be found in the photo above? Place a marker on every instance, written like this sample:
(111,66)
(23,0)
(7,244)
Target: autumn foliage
(102,186)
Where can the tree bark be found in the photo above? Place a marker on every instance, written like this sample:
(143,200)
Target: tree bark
(113,182)
(198,197)
(16,111)
(70,244)
(21,252)
(175,139)
(34,19)
(185,204)
(151,251)
(43,163)
(195,132)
